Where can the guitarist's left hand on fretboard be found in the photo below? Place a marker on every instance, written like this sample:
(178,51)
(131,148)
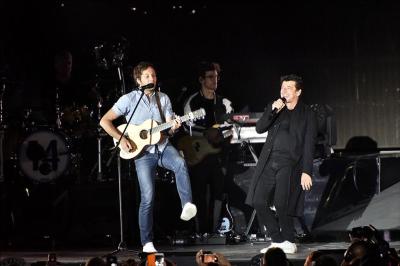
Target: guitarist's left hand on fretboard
(176,124)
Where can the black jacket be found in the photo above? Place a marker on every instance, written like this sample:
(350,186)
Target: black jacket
(303,129)
(216,110)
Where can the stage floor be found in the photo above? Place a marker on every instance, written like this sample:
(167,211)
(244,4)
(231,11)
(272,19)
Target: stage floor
(238,254)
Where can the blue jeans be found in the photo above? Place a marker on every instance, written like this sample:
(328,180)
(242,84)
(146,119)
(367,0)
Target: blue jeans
(146,171)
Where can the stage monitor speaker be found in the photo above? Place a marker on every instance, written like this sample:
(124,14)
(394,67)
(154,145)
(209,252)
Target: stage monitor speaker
(359,191)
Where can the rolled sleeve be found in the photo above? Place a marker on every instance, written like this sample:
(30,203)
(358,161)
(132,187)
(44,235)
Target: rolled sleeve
(121,106)
(168,108)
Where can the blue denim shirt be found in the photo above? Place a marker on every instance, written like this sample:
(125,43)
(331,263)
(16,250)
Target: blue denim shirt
(147,109)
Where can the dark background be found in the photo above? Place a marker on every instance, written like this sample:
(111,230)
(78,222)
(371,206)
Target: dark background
(348,54)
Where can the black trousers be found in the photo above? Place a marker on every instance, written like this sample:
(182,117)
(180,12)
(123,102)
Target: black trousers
(273,190)
(207,173)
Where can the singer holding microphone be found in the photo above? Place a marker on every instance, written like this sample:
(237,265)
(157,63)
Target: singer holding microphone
(284,169)
(157,106)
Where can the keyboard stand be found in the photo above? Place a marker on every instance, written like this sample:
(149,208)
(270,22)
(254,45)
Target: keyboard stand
(244,143)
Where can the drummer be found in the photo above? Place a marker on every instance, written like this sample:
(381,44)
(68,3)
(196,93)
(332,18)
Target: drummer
(64,95)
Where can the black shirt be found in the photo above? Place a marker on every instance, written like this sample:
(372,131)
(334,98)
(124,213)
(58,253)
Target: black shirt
(216,109)
(284,141)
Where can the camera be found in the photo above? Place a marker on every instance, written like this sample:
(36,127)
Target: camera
(51,259)
(363,233)
(112,261)
(155,259)
(368,239)
(159,259)
(209,257)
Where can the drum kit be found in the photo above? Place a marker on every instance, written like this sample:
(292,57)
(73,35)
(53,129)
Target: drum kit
(44,152)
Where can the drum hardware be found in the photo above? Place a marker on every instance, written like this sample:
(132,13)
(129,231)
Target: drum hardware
(3,90)
(99,55)
(58,109)
(118,56)
(32,117)
(76,121)
(95,114)
(36,151)
(107,56)
(104,158)
(26,116)
(2,129)
(1,154)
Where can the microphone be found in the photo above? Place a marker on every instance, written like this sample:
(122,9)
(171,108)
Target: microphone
(275,110)
(145,87)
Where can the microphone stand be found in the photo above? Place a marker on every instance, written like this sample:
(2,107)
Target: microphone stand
(118,62)
(122,245)
(2,129)
(99,138)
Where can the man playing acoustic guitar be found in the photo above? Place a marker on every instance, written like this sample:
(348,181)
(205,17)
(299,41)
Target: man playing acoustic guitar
(154,106)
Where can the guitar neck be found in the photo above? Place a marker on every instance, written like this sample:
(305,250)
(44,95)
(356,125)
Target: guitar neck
(167,125)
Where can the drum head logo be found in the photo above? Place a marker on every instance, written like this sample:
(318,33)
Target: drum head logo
(44,156)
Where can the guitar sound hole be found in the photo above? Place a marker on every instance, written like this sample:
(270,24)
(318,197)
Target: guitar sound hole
(143,134)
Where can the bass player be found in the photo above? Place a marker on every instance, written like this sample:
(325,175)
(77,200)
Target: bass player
(207,165)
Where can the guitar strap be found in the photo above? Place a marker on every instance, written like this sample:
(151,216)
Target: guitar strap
(161,112)
(159,107)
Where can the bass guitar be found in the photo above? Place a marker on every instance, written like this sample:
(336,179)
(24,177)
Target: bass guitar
(196,148)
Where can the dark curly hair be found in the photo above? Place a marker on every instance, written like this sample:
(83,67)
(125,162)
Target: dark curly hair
(205,66)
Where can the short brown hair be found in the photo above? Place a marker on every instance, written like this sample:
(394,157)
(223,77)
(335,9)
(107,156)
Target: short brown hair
(139,68)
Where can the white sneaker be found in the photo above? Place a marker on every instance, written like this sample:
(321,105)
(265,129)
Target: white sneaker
(188,211)
(286,246)
(149,248)
(272,245)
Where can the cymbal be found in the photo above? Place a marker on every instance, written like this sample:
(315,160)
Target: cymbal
(4,80)
(100,80)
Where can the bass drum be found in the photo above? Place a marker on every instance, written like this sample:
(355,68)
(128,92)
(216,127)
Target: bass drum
(44,155)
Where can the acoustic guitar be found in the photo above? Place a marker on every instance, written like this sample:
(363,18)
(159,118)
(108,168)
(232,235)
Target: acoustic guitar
(149,133)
